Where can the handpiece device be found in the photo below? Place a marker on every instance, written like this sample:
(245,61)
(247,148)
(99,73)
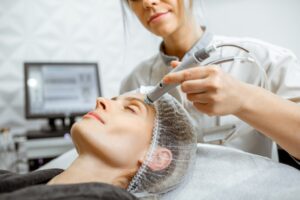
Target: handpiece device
(162,88)
(195,60)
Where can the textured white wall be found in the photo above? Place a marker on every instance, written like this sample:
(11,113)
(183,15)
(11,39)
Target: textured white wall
(62,30)
(92,31)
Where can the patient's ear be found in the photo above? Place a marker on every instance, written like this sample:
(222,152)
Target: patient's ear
(161,159)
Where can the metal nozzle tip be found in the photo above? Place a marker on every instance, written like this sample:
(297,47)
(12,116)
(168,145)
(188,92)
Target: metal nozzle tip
(148,101)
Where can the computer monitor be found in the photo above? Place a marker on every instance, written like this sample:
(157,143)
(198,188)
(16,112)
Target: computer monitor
(60,90)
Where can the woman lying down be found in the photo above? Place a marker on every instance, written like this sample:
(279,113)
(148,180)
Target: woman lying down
(124,147)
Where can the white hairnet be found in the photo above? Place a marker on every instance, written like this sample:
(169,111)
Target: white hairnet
(172,130)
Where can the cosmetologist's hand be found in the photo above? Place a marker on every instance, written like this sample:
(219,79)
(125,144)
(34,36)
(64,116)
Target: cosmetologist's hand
(211,90)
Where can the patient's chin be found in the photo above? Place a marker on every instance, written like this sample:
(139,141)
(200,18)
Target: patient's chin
(76,134)
(80,134)
(76,130)
(85,136)
(84,128)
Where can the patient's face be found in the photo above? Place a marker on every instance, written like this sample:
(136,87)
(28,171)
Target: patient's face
(117,132)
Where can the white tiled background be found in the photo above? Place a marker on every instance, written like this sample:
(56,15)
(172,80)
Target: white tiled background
(92,31)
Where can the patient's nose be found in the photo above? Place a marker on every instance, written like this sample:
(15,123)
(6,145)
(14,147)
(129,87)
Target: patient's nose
(101,103)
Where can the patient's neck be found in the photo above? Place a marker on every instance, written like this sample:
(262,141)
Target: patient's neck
(86,168)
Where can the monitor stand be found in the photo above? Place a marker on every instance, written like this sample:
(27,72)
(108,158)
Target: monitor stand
(52,126)
(52,130)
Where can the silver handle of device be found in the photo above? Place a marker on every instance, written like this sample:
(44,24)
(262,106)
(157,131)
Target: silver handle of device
(196,59)
(161,88)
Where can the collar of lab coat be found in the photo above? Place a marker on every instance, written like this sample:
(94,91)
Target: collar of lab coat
(203,42)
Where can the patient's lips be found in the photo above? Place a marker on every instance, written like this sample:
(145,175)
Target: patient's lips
(95,116)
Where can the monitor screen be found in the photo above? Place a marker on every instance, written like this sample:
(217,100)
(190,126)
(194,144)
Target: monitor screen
(60,89)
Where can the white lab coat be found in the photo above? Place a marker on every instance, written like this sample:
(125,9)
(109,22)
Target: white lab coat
(282,69)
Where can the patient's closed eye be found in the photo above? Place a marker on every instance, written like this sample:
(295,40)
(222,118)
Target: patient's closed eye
(131,104)
(132,108)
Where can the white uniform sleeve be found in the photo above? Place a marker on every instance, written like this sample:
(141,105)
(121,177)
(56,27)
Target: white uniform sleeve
(284,75)
(281,65)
